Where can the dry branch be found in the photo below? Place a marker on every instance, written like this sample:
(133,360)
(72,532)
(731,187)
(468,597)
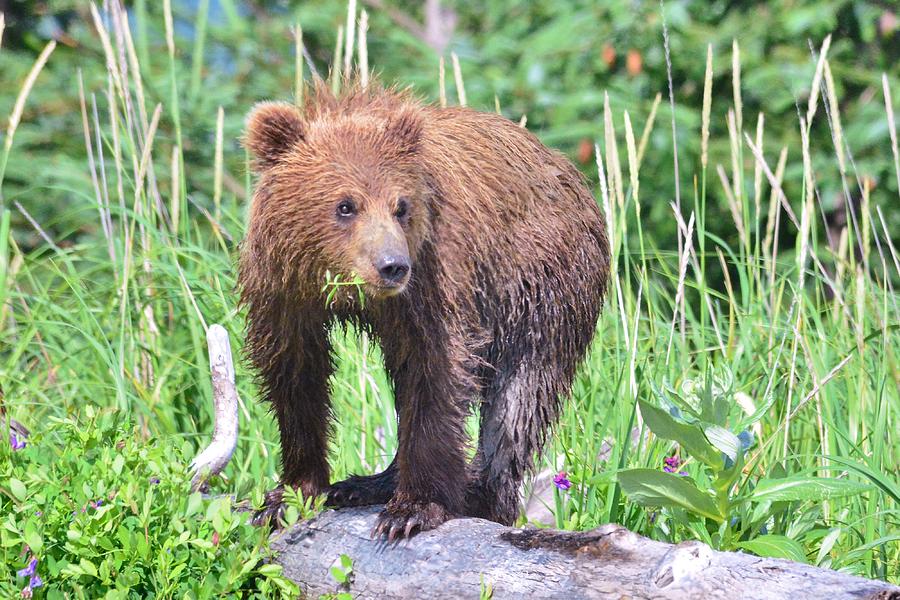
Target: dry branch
(225,402)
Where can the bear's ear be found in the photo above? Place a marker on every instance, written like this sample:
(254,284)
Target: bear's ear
(403,131)
(272,129)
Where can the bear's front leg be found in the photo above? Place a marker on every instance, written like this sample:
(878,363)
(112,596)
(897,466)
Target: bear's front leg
(431,396)
(295,381)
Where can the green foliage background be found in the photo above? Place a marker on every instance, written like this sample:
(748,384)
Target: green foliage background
(544,59)
(810,346)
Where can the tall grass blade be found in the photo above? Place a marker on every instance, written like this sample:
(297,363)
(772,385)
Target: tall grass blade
(19,106)
(363,43)
(298,64)
(707,108)
(199,42)
(892,127)
(457,76)
(350,31)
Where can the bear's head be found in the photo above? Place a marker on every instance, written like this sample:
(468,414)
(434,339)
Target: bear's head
(341,192)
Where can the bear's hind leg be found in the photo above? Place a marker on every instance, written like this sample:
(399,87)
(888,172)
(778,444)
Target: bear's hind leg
(517,411)
(364,490)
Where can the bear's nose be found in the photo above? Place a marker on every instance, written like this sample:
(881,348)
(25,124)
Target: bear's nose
(392,269)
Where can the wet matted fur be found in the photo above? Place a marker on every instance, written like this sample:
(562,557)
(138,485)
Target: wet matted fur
(507,260)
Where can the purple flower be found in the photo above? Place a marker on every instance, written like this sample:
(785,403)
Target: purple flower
(15,442)
(154,480)
(671,465)
(34,580)
(673,462)
(29,570)
(561,482)
(96,504)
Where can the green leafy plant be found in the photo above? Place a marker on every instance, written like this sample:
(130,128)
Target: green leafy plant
(296,506)
(334,282)
(486,589)
(697,417)
(343,574)
(92,509)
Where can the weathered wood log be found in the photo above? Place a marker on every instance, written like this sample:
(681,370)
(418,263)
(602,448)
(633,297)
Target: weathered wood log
(463,557)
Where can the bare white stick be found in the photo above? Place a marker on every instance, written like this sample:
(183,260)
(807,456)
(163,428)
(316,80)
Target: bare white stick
(225,401)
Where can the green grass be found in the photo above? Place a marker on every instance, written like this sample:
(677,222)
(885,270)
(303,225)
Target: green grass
(808,335)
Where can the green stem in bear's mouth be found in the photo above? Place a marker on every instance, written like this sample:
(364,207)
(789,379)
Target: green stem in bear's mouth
(334,282)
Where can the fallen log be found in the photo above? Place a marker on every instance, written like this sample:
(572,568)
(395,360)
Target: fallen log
(470,558)
(466,558)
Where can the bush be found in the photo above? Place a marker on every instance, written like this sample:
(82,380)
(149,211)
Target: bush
(92,509)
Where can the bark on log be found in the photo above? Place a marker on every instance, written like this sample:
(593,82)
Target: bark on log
(460,557)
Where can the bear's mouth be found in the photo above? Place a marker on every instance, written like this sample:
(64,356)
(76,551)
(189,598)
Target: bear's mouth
(386,290)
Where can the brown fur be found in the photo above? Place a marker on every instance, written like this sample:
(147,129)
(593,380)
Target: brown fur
(508,265)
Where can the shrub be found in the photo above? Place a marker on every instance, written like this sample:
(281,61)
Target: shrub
(94,509)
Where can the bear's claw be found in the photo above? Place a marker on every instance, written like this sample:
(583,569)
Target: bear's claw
(400,520)
(272,510)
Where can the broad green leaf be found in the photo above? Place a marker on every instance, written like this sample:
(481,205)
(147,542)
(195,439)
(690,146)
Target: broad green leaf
(883,481)
(855,553)
(194,504)
(18,489)
(32,537)
(72,570)
(650,487)
(761,511)
(828,543)
(775,546)
(726,478)
(690,437)
(87,567)
(203,544)
(270,570)
(118,464)
(760,412)
(247,567)
(724,440)
(807,488)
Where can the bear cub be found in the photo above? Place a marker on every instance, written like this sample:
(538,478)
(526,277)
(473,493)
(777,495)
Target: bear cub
(482,262)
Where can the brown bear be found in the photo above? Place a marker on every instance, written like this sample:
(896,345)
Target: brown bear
(481,259)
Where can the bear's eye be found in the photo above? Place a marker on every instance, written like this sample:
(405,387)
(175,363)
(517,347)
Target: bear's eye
(402,208)
(346,208)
